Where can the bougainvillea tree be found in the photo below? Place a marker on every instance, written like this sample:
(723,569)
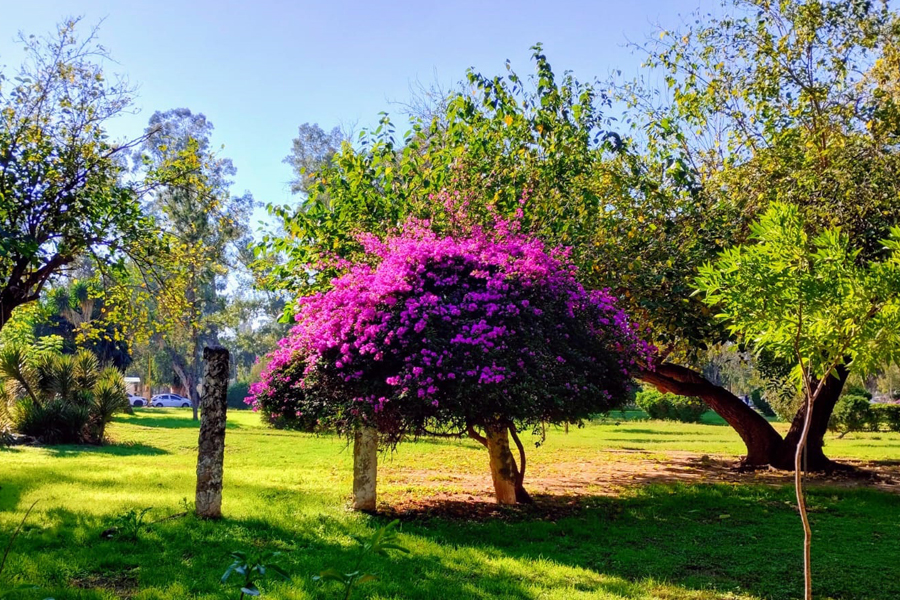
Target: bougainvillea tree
(474,331)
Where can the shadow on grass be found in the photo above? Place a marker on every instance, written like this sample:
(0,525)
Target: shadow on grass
(658,432)
(704,541)
(724,538)
(124,449)
(166,420)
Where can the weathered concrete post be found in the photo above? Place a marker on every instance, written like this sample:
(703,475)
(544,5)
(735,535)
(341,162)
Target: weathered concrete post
(365,468)
(211,455)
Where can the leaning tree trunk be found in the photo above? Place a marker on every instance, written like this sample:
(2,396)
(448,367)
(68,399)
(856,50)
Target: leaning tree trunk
(764,445)
(365,468)
(762,441)
(815,453)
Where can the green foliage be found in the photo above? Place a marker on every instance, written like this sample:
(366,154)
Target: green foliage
(857,390)
(499,139)
(791,101)
(237,393)
(852,412)
(380,543)
(109,397)
(777,102)
(53,116)
(253,566)
(130,524)
(56,421)
(888,414)
(761,404)
(76,313)
(784,396)
(669,407)
(808,300)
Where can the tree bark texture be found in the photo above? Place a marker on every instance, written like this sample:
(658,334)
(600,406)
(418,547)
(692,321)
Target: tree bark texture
(211,454)
(365,468)
(503,465)
(765,446)
(815,459)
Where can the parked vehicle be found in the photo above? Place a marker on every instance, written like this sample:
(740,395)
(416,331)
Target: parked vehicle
(136,400)
(162,400)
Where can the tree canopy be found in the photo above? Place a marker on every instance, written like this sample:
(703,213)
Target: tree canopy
(499,138)
(440,333)
(62,187)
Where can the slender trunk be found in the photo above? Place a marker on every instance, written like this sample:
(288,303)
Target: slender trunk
(760,438)
(815,453)
(194,395)
(196,370)
(801,499)
(186,375)
(522,495)
(809,416)
(365,468)
(211,453)
(503,465)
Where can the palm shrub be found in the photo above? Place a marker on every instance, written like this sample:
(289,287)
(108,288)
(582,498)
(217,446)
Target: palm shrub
(669,407)
(60,398)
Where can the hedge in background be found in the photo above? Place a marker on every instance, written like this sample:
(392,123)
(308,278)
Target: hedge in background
(888,415)
(669,407)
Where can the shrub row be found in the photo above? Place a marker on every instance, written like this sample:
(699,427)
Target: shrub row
(854,412)
(669,407)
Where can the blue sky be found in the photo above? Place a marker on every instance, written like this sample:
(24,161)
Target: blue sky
(259,69)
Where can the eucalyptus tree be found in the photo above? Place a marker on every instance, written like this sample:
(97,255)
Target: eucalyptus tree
(204,230)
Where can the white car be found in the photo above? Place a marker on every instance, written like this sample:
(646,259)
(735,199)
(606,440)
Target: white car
(136,400)
(161,400)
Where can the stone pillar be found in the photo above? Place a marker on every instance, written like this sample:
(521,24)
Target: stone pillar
(365,468)
(211,455)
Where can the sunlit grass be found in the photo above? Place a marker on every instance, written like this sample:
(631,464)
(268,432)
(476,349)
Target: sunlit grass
(289,492)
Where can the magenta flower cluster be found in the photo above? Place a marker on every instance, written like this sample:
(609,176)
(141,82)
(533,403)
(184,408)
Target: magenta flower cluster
(445,330)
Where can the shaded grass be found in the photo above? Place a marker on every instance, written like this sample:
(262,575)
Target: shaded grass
(288,491)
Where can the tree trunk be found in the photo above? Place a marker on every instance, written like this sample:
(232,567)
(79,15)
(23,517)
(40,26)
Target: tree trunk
(195,398)
(762,441)
(196,370)
(503,465)
(815,459)
(365,468)
(211,453)
(187,380)
(764,445)
(522,495)
(12,297)
(6,309)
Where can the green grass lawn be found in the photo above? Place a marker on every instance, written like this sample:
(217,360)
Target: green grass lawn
(287,491)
